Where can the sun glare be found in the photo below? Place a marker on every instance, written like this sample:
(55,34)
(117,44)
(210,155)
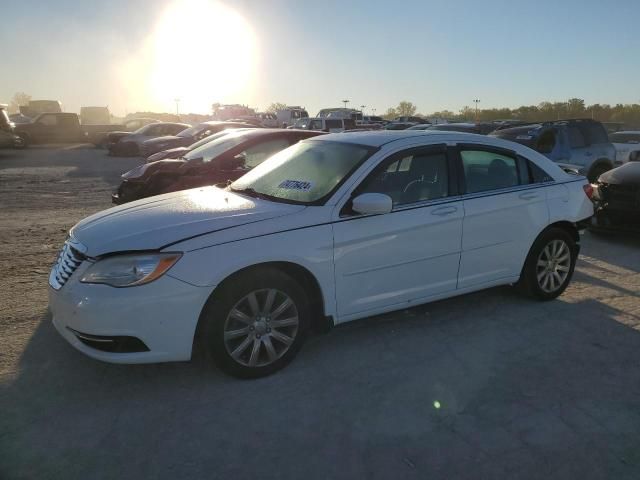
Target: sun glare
(203,52)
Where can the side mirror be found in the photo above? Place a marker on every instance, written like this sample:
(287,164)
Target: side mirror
(372,204)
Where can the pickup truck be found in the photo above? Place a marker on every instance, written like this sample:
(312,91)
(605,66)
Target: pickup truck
(60,128)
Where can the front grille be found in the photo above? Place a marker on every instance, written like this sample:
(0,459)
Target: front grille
(621,197)
(68,261)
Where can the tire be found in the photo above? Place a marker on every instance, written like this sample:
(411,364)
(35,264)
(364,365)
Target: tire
(240,338)
(595,172)
(546,282)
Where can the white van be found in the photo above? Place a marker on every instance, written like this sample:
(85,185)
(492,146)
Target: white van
(290,115)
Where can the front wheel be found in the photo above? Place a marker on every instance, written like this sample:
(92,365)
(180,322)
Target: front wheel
(255,324)
(550,265)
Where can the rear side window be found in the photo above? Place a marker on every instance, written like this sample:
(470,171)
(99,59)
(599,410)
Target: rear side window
(576,139)
(484,170)
(538,175)
(594,133)
(333,123)
(50,120)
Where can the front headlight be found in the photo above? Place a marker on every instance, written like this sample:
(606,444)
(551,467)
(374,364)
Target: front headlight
(130,270)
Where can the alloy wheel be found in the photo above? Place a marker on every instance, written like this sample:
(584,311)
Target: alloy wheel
(553,265)
(261,327)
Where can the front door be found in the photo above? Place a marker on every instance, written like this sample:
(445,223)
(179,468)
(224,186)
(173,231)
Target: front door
(405,256)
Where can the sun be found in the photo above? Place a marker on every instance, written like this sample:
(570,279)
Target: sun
(203,52)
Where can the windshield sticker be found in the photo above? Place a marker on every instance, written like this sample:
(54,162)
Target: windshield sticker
(296,185)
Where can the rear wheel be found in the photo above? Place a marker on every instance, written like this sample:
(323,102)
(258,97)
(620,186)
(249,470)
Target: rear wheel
(255,324)
(550,265)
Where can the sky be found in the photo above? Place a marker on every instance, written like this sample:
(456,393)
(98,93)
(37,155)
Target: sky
(135,55)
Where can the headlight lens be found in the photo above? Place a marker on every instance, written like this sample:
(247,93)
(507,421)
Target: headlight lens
(130,270)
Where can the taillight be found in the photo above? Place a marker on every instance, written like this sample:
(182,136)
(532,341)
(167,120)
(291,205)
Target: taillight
(588,190)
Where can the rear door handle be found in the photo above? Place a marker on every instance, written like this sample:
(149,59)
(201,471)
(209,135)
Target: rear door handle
(528,196)
(442,211)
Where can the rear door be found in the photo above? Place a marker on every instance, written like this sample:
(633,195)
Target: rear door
(504,212)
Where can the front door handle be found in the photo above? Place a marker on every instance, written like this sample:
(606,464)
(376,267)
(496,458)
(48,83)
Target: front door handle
(528,196)
(442,211)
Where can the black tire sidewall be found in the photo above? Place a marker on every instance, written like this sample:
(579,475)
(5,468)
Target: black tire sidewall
(221,301)
(530,279)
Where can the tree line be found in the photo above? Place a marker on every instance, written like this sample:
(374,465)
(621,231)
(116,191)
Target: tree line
(629,114)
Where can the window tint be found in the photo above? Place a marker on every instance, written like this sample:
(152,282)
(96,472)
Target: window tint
(333,123)
(488,171)
(523,171)
(594,133)
(576,140)
(315,125)
(257,154)
(173,129)
(538,174)
(412,178)
(50,120)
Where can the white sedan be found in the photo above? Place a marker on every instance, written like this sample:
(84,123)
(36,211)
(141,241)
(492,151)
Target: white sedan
(330,230)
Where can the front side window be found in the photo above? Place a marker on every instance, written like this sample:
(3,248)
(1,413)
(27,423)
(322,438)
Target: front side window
(307,173)
(315,125)
(333,124)
(594,133)
(484,170)
(410,178)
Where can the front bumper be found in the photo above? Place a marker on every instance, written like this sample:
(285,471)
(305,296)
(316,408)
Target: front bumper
(161,315)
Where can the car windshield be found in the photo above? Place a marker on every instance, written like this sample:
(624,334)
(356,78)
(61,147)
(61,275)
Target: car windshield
(211,138)
(213,148)
(193,131)
(304,173)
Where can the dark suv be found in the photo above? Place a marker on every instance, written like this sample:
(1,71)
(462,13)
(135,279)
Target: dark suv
(580,145)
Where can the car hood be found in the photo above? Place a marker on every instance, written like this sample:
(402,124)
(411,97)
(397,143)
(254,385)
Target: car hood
(627,174)
(169,153)
(155,222)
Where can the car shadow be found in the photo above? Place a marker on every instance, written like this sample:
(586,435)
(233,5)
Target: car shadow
(471,387)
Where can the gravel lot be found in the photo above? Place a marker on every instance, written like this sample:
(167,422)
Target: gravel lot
(524,389)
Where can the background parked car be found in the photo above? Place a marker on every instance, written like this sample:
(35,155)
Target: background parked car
(7,138)
(580,144)
(129,143)
(399,125)
(627,145)
(482,128)
(214,163)
(187,137)
(325,124)
(178,152)
(618,198)
(411,119)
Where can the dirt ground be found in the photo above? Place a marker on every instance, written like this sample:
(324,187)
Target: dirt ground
(488,385)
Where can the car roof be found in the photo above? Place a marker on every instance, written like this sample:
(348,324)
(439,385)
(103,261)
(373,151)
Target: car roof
(377,138)
(186,125)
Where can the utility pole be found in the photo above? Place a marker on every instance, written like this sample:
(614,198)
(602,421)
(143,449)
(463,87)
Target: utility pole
(177,100)
(476,101)
(345,103)
(362,108)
